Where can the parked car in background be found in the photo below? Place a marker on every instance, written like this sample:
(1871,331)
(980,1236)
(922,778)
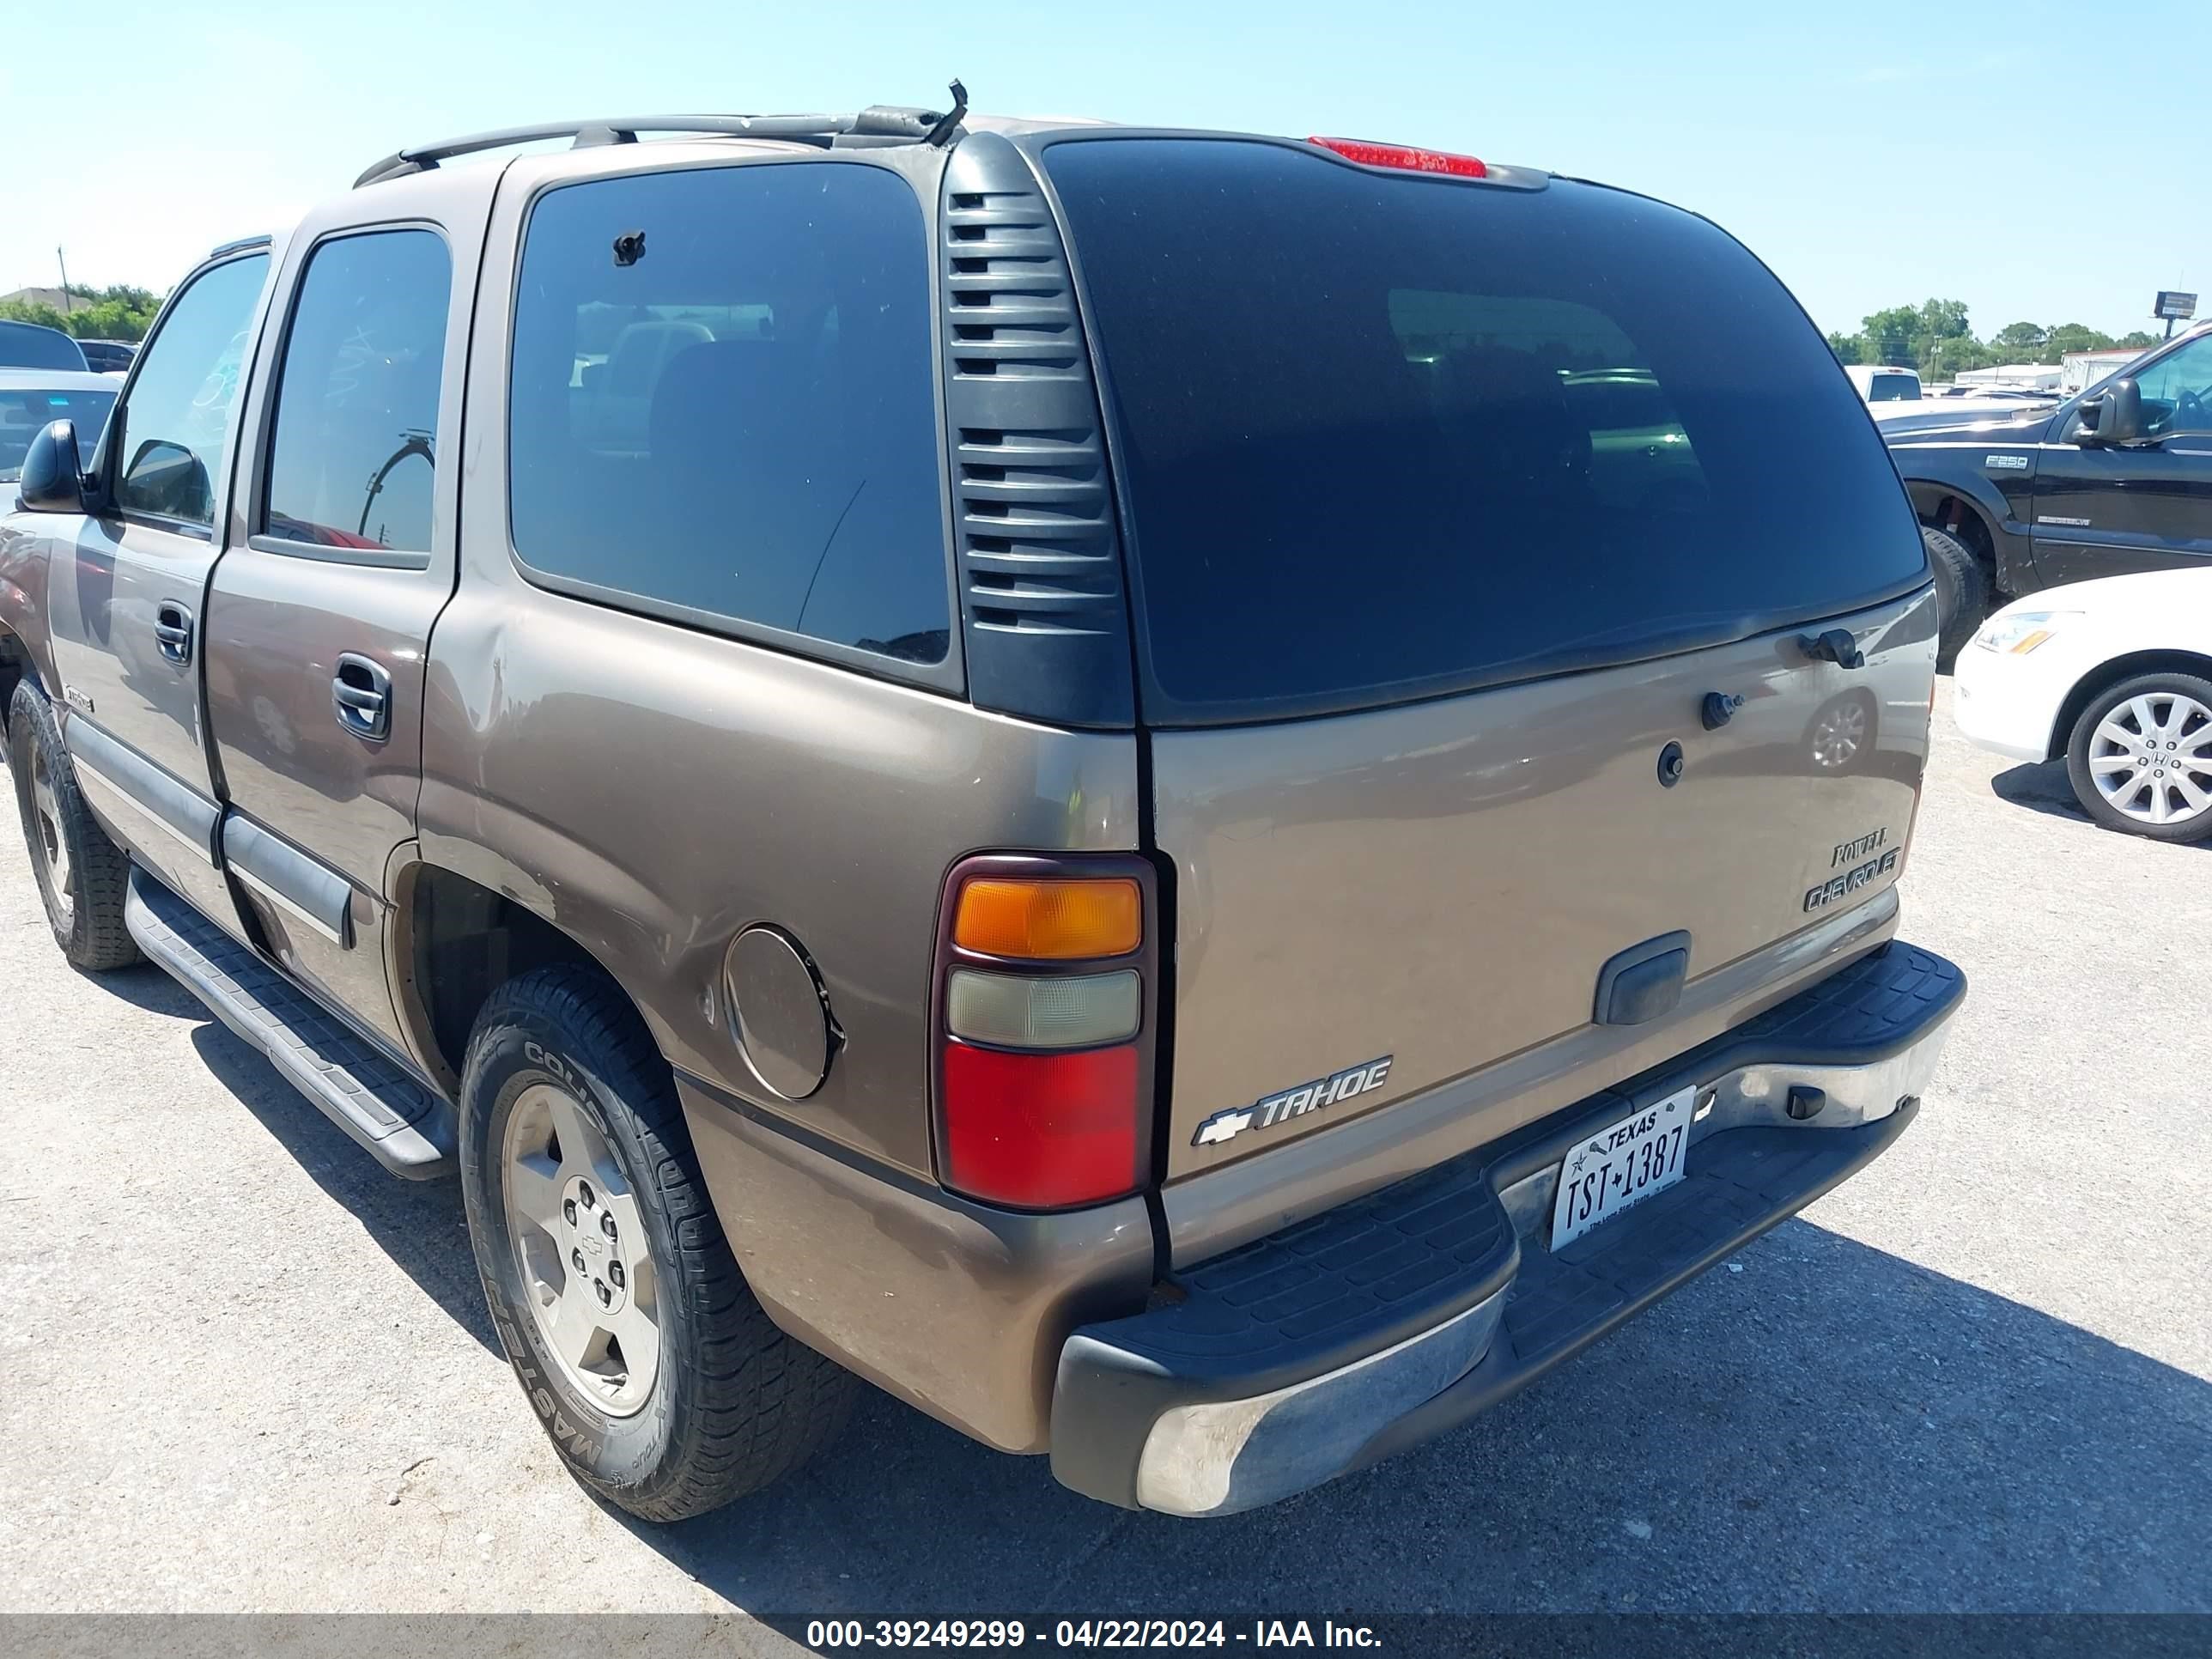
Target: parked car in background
(2015,498)
(33,345)
(1878,384)
(1954,412)
(761,834)
(108,356)
(30,398)
(2114,676)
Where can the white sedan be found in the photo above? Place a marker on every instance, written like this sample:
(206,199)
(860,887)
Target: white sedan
(2114,674)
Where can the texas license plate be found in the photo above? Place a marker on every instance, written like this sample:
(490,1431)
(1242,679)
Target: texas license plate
(1621,1165)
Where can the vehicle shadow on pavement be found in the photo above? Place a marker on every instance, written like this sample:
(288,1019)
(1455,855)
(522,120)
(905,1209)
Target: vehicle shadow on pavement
(2041,787)
(1821,1426)
(2044,787)
(418,1224)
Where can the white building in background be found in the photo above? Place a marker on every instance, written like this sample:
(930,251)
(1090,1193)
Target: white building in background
(2082,368)
(2032,377)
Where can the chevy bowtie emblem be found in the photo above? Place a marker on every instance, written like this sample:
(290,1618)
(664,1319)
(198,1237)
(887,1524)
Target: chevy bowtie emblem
(1271,1110)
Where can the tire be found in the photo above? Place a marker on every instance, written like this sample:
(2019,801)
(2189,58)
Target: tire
(82,875)
(2112,727)
(1962,593)
(726,1403)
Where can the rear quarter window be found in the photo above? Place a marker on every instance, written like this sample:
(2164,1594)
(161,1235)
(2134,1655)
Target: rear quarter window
(1385,437)
(738,424)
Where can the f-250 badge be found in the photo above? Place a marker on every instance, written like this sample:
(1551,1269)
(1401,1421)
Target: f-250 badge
(1271,1110)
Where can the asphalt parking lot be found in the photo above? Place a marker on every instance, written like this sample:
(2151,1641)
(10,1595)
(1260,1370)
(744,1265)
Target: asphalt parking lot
(242,1368)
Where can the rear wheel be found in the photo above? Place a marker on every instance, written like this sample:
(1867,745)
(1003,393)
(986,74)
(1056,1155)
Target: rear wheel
(1962,593)
(2140,758)
(664,1385)
(82,875)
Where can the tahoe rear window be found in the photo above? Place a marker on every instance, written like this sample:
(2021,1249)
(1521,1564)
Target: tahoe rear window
(1385,437)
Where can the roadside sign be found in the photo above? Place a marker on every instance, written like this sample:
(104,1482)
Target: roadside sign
(2174,306)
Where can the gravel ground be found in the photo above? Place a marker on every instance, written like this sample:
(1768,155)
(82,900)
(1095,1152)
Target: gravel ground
(242,1368)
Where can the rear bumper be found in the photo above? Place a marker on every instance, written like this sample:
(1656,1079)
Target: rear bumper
(1374,1326)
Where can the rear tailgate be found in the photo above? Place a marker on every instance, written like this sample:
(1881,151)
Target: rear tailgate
(1450,505)
(1441,883)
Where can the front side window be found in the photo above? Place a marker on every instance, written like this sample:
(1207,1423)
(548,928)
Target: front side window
(723,404)
(2177,390)
(174,430)
(353,461)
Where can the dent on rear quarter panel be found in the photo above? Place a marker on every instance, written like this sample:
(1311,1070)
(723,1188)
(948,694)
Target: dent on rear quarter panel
(653,791)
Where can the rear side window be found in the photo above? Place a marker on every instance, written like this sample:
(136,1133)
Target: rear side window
(29,346)
(173,430)
(723,404)
(353,460)
(1386,437)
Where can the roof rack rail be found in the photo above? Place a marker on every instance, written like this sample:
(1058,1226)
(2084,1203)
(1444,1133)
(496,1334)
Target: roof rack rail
(881,121)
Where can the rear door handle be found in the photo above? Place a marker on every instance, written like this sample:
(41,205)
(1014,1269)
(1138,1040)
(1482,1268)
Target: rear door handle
(360,696)
(172,626)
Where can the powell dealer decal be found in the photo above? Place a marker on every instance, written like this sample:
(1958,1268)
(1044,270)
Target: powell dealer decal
(1267,1112)
(1869,857)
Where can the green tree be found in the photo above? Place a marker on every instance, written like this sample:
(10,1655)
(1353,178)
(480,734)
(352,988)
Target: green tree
(2076,336)
(1947,357)
(113,313)
(1892,336)
(2141,339)
(2024,339)
(1943,319)
(1847,348)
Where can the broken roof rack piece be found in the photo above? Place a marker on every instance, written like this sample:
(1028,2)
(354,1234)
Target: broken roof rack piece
(878,121)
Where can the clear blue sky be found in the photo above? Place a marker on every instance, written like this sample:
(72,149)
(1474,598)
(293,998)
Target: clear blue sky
(2044,161)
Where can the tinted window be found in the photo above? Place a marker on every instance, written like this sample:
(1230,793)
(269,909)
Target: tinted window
(104,356)
(29,346)
(25,411)
(173,430)
(2177,390)
(739,422)
(354,458)
(1894,388)
(1383,436)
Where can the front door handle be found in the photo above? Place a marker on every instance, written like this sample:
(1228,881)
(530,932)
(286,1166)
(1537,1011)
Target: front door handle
(172,626)
(360,696)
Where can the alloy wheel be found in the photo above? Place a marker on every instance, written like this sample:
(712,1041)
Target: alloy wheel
(52,844)
(580,1246)
(1839,734)
(2151,758)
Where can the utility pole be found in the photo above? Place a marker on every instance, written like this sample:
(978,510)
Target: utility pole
(63,263)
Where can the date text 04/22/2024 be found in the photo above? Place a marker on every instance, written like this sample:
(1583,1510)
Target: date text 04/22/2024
(828,1635)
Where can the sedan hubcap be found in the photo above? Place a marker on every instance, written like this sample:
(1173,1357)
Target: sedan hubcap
(2151,758)
(580,1245)
(53,845)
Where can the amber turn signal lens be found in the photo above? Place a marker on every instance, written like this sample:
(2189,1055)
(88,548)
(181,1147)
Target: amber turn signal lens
(1049,920)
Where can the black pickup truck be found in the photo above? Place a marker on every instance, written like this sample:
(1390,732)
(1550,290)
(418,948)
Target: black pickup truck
(2116,478)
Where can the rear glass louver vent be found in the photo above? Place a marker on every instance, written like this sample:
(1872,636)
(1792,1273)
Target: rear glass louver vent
(1040,561)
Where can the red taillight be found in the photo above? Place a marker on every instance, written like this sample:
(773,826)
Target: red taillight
(1404,157)
(1047,972)
(1041,1131)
